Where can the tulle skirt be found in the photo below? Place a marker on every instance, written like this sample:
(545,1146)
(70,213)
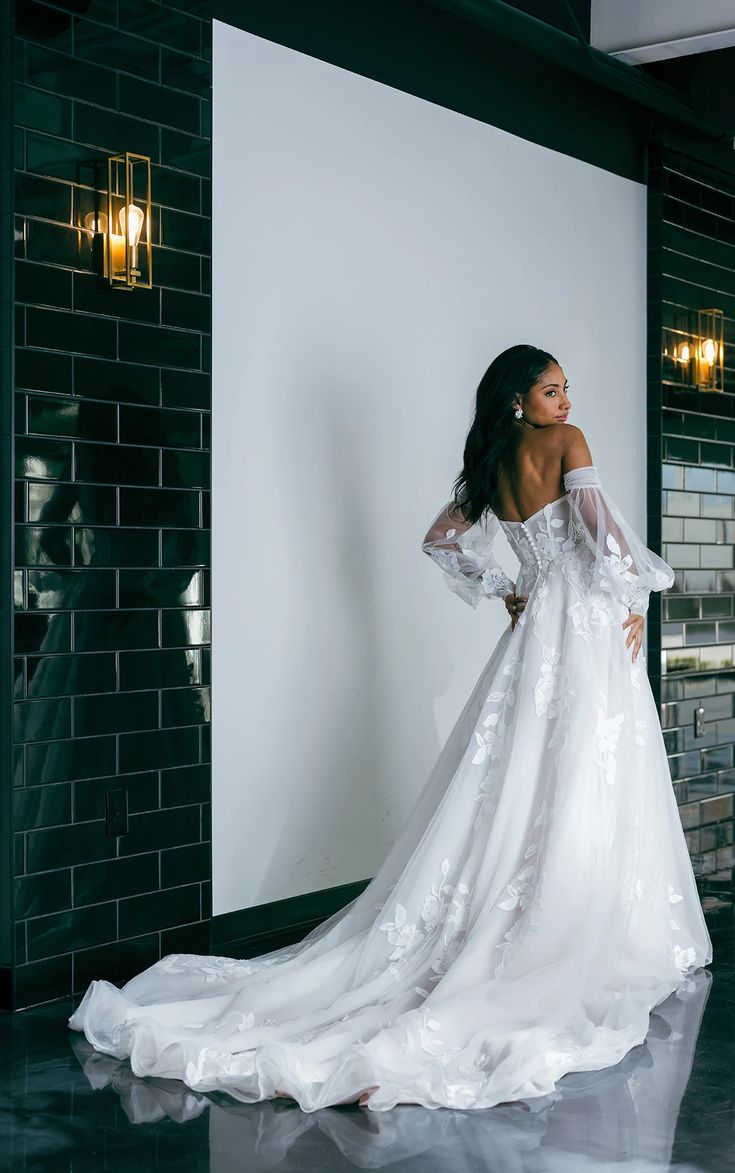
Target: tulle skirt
(538,904)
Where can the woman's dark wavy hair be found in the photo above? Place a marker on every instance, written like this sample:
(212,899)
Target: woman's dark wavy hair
(509,376)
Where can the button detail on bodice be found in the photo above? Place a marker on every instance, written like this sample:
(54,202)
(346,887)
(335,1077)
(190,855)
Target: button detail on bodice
(536,554)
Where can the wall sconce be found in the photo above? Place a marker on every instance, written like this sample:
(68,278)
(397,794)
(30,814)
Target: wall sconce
(694,351)
(710,357)
(126,225)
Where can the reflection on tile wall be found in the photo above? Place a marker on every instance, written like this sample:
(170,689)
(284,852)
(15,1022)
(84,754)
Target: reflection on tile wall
(692,259)
(112,499)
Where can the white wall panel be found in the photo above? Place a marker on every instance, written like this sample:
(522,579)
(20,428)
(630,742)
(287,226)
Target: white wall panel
(372,253)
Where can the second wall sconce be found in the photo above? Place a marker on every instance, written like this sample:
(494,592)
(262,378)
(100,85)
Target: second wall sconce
(126,224)
(710,357)
(697,349)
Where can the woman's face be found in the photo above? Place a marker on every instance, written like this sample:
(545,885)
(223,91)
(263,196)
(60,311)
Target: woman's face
(547,401)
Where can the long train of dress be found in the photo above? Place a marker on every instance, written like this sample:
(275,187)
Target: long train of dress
(580,1127)
(538,904)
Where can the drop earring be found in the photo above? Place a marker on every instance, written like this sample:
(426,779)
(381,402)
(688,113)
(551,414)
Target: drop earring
(518,412)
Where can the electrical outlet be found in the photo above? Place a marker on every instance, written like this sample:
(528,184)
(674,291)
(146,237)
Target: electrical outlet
(116,813)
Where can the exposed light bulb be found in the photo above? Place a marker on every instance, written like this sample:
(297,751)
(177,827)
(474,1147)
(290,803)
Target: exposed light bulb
(131,223)
(709,351)
(96,222)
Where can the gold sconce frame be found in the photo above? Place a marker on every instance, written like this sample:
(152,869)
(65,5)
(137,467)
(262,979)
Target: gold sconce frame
(710,355)
(694,349)
(128,247)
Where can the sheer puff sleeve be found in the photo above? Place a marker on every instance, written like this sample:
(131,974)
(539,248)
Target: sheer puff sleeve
(465,554)
(622,563)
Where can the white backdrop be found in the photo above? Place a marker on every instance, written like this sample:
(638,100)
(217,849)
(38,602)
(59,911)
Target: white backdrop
(373,252)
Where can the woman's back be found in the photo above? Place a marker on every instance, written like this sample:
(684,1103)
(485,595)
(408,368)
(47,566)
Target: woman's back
(533,467)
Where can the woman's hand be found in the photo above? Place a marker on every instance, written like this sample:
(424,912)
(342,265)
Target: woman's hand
(514,605)
(635,635)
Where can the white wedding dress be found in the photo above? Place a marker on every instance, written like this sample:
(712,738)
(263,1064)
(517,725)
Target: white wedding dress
(538,903)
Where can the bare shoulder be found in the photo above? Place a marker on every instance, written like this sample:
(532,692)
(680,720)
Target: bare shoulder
(573,447)
(567,442)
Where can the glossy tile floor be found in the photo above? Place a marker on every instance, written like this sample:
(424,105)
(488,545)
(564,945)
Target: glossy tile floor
(668,1105)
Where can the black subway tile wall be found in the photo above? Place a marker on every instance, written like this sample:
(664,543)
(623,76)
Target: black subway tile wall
(109,514)
(111,504)
(692,487)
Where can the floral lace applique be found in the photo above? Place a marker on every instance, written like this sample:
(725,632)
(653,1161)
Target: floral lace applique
(403,935)
(523,893)
(548,543)
(455,931)
(487,797)
(616,571)
(607,732)
(489,743)
(537,552)
(548,688)
(673,898)
(443,905)
(235,1021)
(212,969)
(518,890)
(684,959)
(589,617)
(564,719)
(598,604)
(421,1033)
(536,611)
(637,598)
(434,904)
(429,1040)
(605,580)
(324,1026)
(496,582)
(472,572)
(217,969)
(553,696)
(623,583)
(593,610)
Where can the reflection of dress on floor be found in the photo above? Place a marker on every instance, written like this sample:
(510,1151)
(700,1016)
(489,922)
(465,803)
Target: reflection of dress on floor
(580,1127)
(538,903)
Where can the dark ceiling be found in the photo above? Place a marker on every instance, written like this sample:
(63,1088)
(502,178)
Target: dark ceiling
(562,14)
(705,80)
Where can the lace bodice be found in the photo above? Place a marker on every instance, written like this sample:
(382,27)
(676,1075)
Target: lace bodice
(583,529)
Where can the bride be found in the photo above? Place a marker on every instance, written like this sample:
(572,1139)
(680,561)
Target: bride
(539,901)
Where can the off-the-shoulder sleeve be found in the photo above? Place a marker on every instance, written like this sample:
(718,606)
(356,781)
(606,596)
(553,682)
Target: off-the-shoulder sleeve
(623,564)
(465,554)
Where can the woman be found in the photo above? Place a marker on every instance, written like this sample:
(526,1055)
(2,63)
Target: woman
(540,900)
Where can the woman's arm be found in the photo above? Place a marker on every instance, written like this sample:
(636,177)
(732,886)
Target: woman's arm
(464,552)
(623,564)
